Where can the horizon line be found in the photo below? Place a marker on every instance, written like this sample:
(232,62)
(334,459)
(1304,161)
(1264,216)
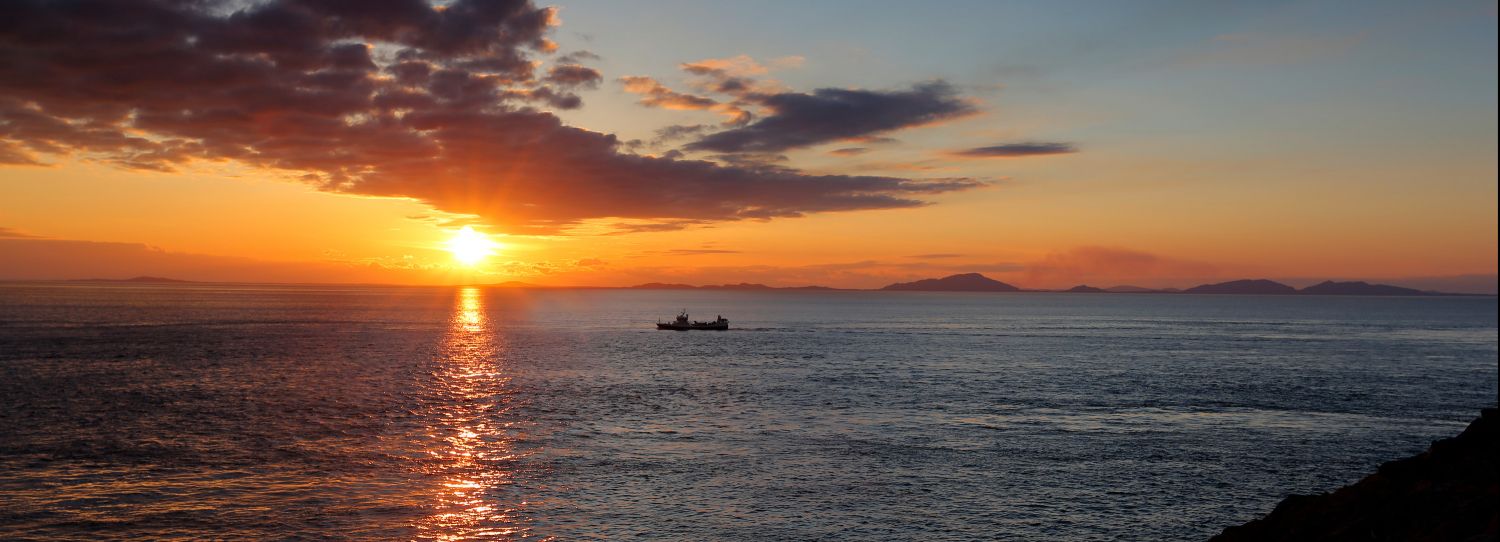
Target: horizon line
(740,287)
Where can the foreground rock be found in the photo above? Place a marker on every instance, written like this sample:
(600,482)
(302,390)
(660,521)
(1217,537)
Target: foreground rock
(1449,492)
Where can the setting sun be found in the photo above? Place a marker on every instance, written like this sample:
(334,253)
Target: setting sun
(461,270)
(470,247)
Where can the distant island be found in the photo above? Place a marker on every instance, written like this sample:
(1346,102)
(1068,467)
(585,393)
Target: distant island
(1329,287)
(1130,290)
(971,282)
(740,286)
(966,282)
(1085,289)
(1248,286)
(975,282)
(142,278)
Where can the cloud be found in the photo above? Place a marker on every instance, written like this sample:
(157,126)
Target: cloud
(654,94)
(395,98)
(12,154)
(623,228)
(573,75)
(551,267)
(740,65)
(1110,266)
(936,256)
(1016,150)
(849,151)
(677,132)
(923,165)
(797,120)
(698,251)
(578,57)
(766,117)
(12,233)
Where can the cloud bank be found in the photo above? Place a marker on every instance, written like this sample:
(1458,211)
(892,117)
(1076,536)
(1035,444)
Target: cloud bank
(1016,150)
(401,98)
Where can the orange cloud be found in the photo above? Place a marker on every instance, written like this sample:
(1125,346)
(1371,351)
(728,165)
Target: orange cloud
(740,65)
(1110,266)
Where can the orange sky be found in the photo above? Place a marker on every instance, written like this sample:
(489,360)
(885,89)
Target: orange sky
(1321,181)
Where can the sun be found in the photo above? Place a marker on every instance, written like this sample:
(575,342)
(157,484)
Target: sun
(470,247)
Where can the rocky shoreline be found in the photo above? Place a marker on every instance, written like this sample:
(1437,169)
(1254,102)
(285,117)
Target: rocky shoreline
(1449,492)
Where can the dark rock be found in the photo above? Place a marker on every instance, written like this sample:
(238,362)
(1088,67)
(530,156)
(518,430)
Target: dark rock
(1449,492)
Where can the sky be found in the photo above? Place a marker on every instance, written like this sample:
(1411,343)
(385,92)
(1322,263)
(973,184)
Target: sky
(849,144)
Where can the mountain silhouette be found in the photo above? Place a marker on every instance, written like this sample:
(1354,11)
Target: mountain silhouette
(1127,289)
(1248,286)
(1085,289)
(663,286)
(740,286)
(1329,287)
(966,282)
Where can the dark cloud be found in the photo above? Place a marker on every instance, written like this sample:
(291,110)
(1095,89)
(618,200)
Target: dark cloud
(849,151)
(401,98)
(573,75)
(753,160)
(622,228)
(678,132)
(578,57)
(13,155)
(1017,150)
(765,117)
(922,165)
(798,119)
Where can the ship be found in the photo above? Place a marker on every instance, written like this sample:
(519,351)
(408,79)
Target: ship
(682,323)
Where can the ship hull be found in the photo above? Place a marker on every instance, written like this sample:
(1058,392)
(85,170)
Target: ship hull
(711,326)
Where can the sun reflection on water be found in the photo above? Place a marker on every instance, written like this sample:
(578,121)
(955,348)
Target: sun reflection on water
(476,455)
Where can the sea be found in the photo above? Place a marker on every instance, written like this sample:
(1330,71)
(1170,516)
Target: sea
(251,412)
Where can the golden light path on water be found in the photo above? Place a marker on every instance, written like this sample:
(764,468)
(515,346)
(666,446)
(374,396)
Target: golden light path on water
(476,453)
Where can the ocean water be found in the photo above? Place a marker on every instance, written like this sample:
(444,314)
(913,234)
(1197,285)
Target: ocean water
(256,412)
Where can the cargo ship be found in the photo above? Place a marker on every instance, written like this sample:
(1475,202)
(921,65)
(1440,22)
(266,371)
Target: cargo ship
(682,323)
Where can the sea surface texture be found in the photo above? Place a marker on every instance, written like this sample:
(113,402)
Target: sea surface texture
(255,412)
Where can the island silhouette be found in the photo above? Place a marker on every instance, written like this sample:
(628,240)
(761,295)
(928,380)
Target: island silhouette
(975,282)
(965,282)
